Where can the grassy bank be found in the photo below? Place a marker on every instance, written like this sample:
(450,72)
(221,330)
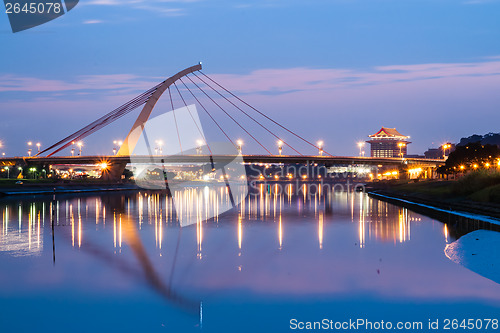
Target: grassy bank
(477,192)
(480,186)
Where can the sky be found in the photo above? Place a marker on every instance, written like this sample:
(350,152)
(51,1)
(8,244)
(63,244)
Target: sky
(331,70)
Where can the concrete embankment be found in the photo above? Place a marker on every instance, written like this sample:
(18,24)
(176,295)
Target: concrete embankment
(438,207)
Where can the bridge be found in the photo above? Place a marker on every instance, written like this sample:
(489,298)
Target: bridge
(195,159)
(193,80)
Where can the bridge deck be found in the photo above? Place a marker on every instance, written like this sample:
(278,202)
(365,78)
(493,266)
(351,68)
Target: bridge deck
(286,159)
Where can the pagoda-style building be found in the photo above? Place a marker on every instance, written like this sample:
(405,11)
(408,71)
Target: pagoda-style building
(388,142)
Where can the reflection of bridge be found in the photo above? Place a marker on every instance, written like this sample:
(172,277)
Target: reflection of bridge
(188,131)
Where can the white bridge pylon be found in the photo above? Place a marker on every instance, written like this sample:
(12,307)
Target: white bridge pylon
(133,136)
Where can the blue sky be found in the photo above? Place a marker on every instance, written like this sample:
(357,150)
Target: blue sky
(333,70)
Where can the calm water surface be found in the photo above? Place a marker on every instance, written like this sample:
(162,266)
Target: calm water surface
(123,263)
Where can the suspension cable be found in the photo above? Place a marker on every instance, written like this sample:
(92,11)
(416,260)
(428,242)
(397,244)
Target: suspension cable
(194,121)
(216,123)
(104,120)
(237,123)
(175,119)
(264,115)
(249,116)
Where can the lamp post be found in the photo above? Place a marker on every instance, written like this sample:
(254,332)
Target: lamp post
(199,144)
(239,145)
(29,148)
(361,145)
(80,145)
(8,171)
(38,145)
(280,146)
(401,145)
(159,144)
(320,148)
(445,146)
(116,145)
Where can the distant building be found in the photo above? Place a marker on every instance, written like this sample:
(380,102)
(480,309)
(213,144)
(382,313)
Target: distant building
(388,142)
(442,152)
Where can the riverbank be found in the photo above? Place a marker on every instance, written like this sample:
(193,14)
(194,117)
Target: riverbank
(473,197)
(38,187)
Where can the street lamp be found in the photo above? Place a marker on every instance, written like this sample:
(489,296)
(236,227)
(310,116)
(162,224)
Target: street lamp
(280,146)
(8,171)
(446,146)
(199,143)
(33,171)
(80,145)
(38,145)
(29,149)
(401,145)
(320,147)
(361,145)
(239,145)
(116,145)
(159,144)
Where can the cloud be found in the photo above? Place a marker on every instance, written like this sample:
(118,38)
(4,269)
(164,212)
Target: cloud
(270,81)
(161,7)
(92,22)
(308,79)
(118,82)
(478,2)
(434,102)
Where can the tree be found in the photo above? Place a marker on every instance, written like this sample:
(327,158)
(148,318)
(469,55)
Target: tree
(471,156)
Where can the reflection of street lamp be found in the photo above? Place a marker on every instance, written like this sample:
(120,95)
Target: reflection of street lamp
(361,145)
(239,145)
(320,147)
(280,146)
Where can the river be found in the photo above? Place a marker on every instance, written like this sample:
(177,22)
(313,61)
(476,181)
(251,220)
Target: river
(280,261)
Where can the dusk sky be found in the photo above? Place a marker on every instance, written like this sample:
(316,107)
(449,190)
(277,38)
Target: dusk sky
(335,70)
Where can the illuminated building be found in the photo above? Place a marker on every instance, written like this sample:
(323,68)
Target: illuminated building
(388,142)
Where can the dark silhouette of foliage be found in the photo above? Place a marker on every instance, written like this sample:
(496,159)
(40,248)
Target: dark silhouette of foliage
(490,138)
(471,156)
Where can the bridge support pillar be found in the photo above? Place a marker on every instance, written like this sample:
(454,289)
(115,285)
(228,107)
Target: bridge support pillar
(114,172)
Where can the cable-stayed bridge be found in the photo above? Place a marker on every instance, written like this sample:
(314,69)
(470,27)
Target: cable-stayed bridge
(192,85)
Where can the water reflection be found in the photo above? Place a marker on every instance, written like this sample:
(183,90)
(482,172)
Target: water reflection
(276,240)
(377,221)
